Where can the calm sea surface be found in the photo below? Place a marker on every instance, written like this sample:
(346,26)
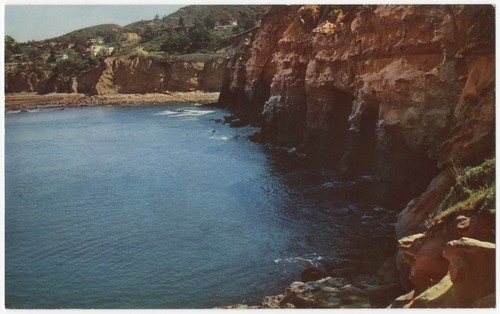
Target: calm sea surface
(166,207)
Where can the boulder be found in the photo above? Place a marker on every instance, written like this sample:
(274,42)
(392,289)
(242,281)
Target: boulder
(311,274)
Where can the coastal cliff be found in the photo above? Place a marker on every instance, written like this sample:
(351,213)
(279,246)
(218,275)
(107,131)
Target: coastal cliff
(124,76)
(405,94)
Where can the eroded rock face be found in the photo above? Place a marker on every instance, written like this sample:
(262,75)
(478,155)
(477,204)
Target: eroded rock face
(472,269)
(393,90)
(16,82)
(125,76)
(452,264)
(470,281)
(412,219)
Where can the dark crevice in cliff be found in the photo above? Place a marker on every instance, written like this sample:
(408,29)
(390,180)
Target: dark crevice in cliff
(405,171)
(359,156)
(326,134)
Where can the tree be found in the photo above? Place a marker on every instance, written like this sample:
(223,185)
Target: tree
(181,21)
(209,22)
(11,47)
(52,57)
(73,66)
(9,43)
(214,41)
(245,21)
(34,54)
(8,55)
(80,40)
(147,34)
(225,18)
(176,42)
(157,17)
(199,36)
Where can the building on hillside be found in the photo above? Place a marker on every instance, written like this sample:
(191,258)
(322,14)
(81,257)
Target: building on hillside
(61,57)
(109,50)
(11,66)
(100,50)
(129,36)
(223,27)
(97,41)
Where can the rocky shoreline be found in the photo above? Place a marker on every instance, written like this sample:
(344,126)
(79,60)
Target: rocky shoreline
(25,101)
(375,290)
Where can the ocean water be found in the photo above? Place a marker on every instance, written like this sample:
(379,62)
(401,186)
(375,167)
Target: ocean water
(166,207)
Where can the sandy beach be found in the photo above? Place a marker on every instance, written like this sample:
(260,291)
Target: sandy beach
(20,101)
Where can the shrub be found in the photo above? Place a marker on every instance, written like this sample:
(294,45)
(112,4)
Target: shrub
(474,191)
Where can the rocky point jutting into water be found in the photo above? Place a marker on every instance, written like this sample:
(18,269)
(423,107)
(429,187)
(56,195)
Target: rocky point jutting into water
(403,93)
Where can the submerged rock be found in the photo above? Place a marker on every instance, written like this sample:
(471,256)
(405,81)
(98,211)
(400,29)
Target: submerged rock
(311,274)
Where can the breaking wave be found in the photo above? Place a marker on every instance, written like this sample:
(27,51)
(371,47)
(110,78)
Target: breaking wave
(184,113)
(313,259)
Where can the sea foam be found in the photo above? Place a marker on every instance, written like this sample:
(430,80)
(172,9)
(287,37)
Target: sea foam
(184,113)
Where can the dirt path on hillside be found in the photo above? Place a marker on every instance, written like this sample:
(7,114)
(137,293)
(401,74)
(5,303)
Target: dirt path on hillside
(21,101)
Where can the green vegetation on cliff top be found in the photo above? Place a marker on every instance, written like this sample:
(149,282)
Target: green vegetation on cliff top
(473,192)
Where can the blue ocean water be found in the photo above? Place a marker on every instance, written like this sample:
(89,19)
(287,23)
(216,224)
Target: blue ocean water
(165,207)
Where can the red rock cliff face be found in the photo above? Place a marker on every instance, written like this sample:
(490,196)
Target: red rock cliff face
(16,82)
(399,92)
(125,76)
(394,91)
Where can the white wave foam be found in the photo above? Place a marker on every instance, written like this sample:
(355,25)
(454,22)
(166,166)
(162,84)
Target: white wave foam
(184,113)
(338,184)
(26,110)
(220,138)
(313,259)
(194,113)
(165,113)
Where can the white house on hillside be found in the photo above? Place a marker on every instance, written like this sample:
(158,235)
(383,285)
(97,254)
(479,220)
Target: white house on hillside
(61,57)
(10,66)
(101,50)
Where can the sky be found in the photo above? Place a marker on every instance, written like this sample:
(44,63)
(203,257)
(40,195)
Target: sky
(37,22)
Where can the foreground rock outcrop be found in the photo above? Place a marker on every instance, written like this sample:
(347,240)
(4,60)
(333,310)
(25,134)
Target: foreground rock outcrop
(399,92)
(464,278)
(452,263)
